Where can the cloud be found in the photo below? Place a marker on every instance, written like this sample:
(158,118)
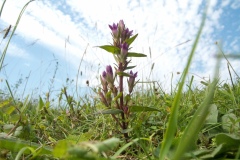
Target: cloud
(234,45)
(235,4)
(225,3)
(68,28)
(16,51)
(44,22)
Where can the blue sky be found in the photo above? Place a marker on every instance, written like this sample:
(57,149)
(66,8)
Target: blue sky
(58,36)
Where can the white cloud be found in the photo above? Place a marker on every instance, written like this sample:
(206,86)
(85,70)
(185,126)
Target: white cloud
(161,26)
(15,51)
(225,3)
(235,4)
(234,45)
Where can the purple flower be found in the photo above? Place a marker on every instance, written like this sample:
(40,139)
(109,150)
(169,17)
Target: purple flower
(109,70)
(120,33)
(104,76)
(124,49)
(128,33)
(114,29)
(131,81)
(121,26)
(109,75)
(133,75)
(104,81)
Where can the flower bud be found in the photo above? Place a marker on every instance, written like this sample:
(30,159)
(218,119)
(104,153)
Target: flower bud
(128,33)
(109,74)
(121,26)
(114,29)
(124,49)
(125,34)
(131,81)
(104,81)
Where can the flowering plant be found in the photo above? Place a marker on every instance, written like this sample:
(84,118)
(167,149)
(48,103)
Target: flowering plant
(110,94)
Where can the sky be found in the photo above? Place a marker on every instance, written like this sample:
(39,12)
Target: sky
(54,45)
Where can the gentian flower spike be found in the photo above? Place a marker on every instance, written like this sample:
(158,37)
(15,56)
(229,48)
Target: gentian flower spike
(131,81)
(124,50)
(121,26)
(109,75)
(114,29)
(104,76)
(128,33)
(104,81)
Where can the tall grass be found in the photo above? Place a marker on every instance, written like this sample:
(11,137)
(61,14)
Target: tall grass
(186,124)
(172,122)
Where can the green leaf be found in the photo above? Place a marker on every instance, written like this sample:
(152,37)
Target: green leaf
(4,103)
(130,40)
(197,153)
(21,152)
(133,54)
(14,145)
(118,96)
(213,115)
(40,104)
(109,48)
(130,67)
(228,122)
(18,131)
(85,136)
(108,144)
(110,111)
(123,74)
(127,98)
(80,153)
(7,127)
(204,83)
(10,110)
(15,117)
(214,153)
(230,142)
(124,148)
(142,109)
(61,148)
(126,130)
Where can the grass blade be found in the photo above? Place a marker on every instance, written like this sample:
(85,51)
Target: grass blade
(15,145)
(2,7)
(172,122)
(190,134)
(124,147)
(14,29)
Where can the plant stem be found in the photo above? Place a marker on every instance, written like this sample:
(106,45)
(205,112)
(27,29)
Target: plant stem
(116,119)
(124,126)
(121,85)
(230,76)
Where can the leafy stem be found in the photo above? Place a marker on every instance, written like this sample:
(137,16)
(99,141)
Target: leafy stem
(109,93)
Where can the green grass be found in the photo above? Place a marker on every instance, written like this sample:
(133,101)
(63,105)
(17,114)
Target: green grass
(198,122)
(40,130)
